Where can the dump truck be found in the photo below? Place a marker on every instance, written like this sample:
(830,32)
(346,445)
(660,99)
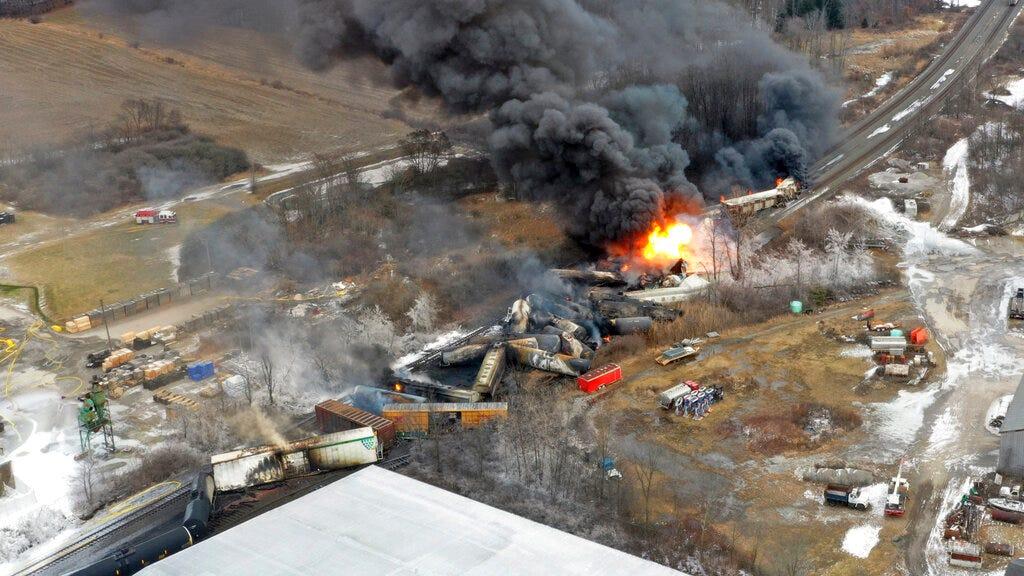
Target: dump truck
(1017,305)
(842,495)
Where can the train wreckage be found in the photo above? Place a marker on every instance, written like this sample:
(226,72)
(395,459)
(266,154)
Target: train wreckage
(555,333)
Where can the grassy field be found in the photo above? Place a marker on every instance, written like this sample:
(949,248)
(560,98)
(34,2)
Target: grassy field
(67,75)
(112,262)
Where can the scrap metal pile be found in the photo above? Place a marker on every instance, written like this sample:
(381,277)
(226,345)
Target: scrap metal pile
(557,332)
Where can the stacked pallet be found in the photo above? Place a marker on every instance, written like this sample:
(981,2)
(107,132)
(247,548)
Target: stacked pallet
(169,398)
(158,368)
(80,324)
(117,358)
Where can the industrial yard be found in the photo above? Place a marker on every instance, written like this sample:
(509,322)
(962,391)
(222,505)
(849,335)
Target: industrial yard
(488,290)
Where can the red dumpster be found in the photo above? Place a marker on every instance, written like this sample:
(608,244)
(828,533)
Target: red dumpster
(596,379)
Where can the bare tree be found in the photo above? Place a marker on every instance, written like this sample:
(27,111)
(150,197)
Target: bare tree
(643,472)
(426,150)
(265,372)
(792,559)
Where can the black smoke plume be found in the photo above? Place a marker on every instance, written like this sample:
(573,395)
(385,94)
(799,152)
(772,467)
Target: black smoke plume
(610,108)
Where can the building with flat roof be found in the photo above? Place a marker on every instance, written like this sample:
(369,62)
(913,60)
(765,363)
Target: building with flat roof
(1011,437)
(377,522)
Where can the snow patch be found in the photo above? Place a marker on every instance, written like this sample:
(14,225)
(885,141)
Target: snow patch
(1016,93)
(908,110)
(955,164)
(880,130)
(943,79)
(921,238)
(858,351)
(944,432)
(860,540)
(882,81)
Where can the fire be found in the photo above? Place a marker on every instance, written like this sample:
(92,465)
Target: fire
(668,243)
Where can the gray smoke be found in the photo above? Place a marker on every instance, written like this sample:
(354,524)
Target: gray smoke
(590,100)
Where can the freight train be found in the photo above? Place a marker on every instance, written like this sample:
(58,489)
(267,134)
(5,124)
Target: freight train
(785,191)
(131,559)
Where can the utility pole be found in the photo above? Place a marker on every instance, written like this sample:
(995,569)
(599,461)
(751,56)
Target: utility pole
(106,326)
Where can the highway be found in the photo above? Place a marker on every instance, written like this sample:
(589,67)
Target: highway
(884,129)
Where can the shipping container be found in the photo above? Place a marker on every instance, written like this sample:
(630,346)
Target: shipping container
(335,416)
(417,420)
(344,449)
(596,379)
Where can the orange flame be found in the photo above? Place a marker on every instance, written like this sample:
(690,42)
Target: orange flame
(668,243)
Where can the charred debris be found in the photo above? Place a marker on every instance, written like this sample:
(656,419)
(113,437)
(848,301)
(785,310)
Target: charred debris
(557,330)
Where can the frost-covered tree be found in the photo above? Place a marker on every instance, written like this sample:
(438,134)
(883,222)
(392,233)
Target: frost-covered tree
(423,313)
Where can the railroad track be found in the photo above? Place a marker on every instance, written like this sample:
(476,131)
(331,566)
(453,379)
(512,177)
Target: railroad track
(432,357)
(396,462)
(52,563)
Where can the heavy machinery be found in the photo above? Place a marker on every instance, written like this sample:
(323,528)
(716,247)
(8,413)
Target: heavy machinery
(94,418)
(896,500)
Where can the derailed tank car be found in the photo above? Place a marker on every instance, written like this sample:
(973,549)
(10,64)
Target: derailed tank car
(135,557)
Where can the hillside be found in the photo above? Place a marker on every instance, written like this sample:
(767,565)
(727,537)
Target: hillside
(67,74)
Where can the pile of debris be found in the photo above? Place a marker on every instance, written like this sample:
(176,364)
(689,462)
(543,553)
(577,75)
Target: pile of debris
(899,355)
(557,333)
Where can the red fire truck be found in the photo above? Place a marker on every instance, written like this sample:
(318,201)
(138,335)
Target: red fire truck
(154,216)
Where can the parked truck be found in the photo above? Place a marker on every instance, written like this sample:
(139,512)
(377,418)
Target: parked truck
(842,495)
(1017,305)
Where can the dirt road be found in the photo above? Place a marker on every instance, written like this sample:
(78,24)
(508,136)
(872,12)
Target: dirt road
(961,290)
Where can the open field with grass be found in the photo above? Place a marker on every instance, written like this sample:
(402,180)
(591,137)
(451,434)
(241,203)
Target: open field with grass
(109,262)
(67,75)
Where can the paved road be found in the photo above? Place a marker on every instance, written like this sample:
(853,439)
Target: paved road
(885,129)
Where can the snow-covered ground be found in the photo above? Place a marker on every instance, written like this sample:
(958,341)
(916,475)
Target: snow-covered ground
(860,540)
(955,165)
(1015,96)
(882,81)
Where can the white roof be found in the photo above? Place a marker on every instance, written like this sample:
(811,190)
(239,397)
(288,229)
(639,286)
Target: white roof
(375,522)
